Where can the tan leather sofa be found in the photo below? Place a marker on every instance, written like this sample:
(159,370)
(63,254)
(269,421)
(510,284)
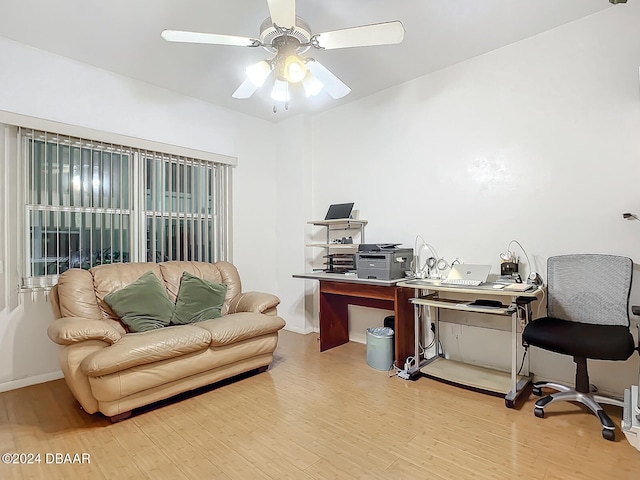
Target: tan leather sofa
(111,371)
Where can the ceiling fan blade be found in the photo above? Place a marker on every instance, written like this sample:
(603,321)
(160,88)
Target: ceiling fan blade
(377,34)
(283,12)
(208,38)
(245,90)
(332,84)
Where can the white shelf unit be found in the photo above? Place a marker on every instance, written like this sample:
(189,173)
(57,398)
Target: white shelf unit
(337,230)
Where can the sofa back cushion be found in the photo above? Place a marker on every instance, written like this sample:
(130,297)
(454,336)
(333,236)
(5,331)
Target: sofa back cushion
(80,293)
(75,295)
(112,277)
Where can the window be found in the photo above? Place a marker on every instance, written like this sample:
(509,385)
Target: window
(178,216)
(90,203)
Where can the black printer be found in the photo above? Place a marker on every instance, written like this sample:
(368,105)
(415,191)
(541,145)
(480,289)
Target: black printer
(383,261)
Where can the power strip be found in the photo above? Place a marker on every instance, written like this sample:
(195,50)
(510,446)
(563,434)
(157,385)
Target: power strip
(404,374)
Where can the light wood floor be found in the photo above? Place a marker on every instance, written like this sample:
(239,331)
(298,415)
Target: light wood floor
(314,415)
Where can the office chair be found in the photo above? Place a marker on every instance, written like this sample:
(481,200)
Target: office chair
(587,318)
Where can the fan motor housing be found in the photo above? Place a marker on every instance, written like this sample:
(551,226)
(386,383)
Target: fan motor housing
(301,32)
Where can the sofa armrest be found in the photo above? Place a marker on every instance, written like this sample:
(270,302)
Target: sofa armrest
(69,330)
(256,302)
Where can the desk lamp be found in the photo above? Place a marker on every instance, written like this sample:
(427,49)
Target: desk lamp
(429,264)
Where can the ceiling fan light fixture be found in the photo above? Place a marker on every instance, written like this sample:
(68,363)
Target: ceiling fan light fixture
(280,92)
(288,37)
(312,86)
(258,72)
(294,69)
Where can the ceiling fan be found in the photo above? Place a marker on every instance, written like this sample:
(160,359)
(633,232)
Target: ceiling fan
(288,38)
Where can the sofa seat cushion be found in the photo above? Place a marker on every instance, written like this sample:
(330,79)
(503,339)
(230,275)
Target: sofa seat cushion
(136,349)
(236,327)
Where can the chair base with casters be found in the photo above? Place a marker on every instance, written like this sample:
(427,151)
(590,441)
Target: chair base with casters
(568,394)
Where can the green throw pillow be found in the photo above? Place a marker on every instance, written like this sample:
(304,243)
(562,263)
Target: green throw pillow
(143,305)
(198,300)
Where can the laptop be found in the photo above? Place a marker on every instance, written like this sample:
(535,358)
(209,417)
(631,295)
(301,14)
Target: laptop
(467,274)
(339,211)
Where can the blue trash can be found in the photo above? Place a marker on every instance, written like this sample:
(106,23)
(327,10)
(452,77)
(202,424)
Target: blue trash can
(380,348)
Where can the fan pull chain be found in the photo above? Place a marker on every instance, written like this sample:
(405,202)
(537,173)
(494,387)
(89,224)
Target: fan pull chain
(286,107)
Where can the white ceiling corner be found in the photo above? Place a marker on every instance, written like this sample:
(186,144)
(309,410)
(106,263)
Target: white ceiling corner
(123,36)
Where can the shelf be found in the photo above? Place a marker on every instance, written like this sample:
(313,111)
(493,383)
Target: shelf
(480,378)
(340,221)
(460,305)
(340,255)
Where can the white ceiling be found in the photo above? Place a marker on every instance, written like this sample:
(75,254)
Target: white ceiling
(123,36)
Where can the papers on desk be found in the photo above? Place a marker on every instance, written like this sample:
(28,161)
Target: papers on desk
(519,287)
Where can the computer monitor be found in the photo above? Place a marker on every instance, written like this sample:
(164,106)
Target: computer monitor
(339,211)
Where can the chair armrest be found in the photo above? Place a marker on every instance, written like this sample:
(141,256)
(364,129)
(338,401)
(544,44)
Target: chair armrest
(69,330)
(256,302)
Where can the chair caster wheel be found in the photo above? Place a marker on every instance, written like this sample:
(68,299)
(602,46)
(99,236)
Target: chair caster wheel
(537,391)
(509,403)
(608,434)
(539,412)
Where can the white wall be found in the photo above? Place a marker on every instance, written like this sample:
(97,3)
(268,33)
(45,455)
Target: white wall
(39,84)
(294,200)
(254,206)
(540,141)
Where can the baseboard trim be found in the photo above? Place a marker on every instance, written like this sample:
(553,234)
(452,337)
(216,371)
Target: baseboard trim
(27,382)
(297,330)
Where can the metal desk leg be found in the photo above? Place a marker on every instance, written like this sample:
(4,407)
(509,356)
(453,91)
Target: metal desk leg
(517,386)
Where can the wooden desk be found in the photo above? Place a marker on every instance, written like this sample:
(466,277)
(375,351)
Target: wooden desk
(338,291)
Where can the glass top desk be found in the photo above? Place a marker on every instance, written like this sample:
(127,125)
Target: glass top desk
(516,304)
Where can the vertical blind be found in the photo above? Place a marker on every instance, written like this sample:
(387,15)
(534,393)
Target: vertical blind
(179,207)
(91,203)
